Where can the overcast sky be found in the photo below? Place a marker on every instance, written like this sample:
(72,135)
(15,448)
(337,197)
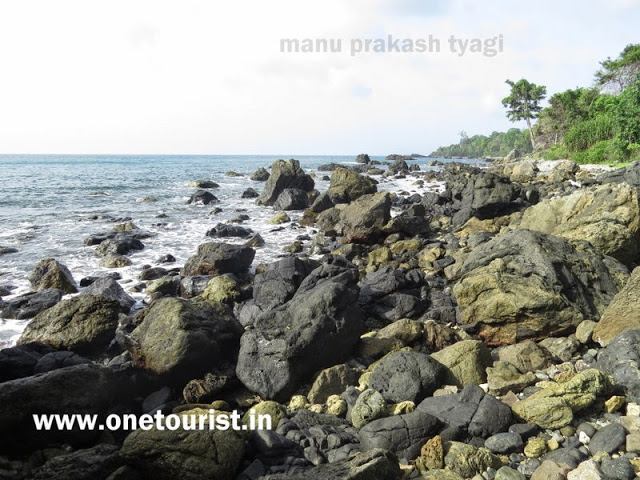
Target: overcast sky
(208,77)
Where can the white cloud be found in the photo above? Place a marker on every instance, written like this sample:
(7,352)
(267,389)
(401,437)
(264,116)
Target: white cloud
(207,77)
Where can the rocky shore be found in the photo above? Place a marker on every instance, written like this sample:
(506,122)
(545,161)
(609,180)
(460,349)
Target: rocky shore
(489,331)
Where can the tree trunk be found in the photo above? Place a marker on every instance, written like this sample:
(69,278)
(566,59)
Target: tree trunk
(533,141)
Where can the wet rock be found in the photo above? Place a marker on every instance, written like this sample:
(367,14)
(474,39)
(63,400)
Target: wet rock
(225,230)
(85,324)
(20,361)
(120,244)
(202,197)
(218,258)
(29,304)
(250,193)
(55,360)
(203,184)
(49,273)
(114,261)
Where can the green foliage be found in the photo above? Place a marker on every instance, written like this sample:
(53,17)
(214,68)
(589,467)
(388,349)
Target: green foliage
(555,152)
(618,74)
(606,151)
(498,144)
(587,133)
(626,113)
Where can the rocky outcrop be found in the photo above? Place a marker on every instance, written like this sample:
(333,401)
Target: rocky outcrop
(284,174)
(183,339)
(291,199)
(607,216)
(260,175)
(526,284)
(347,185)
(317,328)
(85,324)
(202,197)
(49,273)
(218,258)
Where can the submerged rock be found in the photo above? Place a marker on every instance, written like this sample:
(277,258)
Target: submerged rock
(218,258)
(29,304)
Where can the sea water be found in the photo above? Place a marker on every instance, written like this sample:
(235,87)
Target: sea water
(50,203)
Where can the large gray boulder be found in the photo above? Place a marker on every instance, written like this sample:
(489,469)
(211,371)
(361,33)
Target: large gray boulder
(217,258)
(406,376)
(183,339)
(526,284)
(316,329)
(284,174)
(49,273)
(85,324)
(291,199)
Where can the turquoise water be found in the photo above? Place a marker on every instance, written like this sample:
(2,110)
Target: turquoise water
(47,203)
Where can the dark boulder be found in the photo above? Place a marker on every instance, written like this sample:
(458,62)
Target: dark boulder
(29,304)
(95,463)
(218,258)
(225,230)
(284,174)
(317,328)
(470,412)
(250,193)
(363,158)
(406,376)
(202,197)
(120,244)
(403,435)
(260,175)
(291,199)
(55,360)
(20,361)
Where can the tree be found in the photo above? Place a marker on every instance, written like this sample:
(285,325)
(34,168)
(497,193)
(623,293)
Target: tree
(616,75)
(524,103)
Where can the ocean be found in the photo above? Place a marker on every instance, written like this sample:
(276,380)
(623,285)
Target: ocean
(50,203)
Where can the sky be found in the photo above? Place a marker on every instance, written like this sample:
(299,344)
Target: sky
(209,77)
